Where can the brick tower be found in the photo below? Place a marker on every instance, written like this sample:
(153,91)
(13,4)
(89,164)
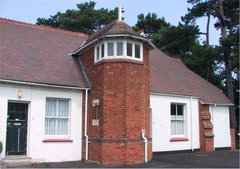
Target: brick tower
(116,62)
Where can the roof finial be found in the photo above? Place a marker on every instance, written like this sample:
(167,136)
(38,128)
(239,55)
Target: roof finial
(120,11)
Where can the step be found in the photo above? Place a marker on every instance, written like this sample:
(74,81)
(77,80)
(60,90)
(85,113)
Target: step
(15,160)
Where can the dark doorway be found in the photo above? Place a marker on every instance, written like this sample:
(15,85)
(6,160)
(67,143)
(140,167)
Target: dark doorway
(17,129)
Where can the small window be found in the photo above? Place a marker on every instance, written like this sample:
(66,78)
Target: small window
(56,116)
(177,119)
(110,49)
(129,49)
(119,48)
(102,50)
(137,51)
(98,53)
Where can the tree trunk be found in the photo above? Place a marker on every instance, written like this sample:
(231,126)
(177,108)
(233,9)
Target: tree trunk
(207,44)
(227,62)
(207,29)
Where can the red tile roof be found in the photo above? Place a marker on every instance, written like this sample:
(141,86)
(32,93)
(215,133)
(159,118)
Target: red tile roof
(38,54)
(171,76)
(114,28)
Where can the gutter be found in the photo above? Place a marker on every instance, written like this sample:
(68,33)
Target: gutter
(111,36)
(41,84)
(193,97)
(173,95)
(219,104)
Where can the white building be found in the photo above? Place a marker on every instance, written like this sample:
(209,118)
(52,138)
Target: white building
(43,97)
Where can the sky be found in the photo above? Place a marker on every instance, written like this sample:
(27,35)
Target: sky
(29,10)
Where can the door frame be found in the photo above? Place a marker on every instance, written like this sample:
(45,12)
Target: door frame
(28,124)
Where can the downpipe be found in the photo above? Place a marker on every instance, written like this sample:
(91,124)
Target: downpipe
(85,127)
(145,144)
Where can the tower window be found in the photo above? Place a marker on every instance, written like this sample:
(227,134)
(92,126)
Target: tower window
(119,48)
(110,49)
(102,50)
(129,49)
(137,51)
(98,53)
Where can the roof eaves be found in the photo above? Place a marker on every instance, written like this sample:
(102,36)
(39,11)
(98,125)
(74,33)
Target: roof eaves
(216,103)
(42,84)
(82,47)
(173,95)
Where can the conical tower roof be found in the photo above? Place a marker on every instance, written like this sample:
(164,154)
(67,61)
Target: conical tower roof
(113,30)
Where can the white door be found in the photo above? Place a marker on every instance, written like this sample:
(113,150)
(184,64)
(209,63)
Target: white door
(221,126)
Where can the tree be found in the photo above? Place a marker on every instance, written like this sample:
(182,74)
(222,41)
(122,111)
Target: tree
(176,40)
(180,41)
(226,12)
(151,24)
(85,19)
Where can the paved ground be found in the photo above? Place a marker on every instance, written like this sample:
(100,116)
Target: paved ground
(217,159)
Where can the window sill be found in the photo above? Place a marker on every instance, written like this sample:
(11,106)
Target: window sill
(178,139)
(56,140)
(127,60)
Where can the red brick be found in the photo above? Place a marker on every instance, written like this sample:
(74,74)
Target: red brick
(123,88)
(205,126)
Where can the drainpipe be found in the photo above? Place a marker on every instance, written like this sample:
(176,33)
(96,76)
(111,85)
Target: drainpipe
(85,127)
(145,144)
(212,120)
(191,123)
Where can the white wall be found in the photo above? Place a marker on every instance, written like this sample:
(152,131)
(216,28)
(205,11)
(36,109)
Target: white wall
(36,148)
(161,125)
(221,126)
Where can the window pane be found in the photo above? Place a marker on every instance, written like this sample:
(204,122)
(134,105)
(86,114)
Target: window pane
(102,49)
(50,125)
(119,48)
(63,108)
(180,127)
(129,49)
(173,109)
(110,49)
(62,126)
(51,107)
(137,51)
(98,53)
(173,127)
(180,110)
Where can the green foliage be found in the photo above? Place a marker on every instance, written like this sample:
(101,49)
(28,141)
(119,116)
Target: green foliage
(151,24)
(226,13)
(1,147)
(202,61)
(85,19)
(176,40)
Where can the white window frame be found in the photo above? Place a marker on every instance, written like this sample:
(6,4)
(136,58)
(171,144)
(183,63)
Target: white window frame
(66,136)
(124,56)
(184,135)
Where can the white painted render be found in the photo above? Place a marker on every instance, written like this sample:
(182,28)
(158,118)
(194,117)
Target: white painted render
(221,126)
(38,150)
(161,123)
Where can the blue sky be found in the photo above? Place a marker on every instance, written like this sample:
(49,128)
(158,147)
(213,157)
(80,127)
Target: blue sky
(172,10)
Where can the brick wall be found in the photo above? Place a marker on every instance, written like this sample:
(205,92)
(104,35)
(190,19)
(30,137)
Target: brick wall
(122,87)
(206,133)
(233,139)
